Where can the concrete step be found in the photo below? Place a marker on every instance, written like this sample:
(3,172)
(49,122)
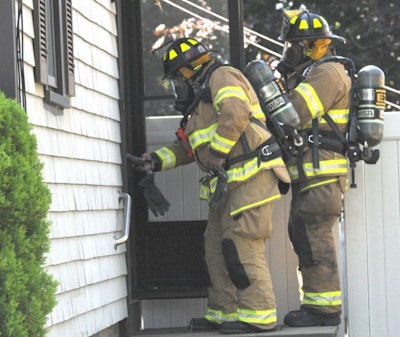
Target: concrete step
(282,331)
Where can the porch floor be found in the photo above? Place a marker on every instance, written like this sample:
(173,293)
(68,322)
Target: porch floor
(283,331)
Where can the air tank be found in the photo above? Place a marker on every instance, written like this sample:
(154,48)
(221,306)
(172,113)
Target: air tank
(371,103)
(271,91)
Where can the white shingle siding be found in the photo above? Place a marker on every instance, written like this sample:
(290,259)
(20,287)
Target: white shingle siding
(80,150)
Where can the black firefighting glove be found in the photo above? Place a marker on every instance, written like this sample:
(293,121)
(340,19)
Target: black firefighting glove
(156,202)
(144,163)
(219,196)
(283,187)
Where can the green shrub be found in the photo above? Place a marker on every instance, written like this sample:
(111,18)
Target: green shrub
(27,292)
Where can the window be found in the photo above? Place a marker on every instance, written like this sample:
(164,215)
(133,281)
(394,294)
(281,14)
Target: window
(178,19)
(53,45)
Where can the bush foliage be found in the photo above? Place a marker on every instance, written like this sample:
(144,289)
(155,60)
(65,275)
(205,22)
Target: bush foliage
(27,292)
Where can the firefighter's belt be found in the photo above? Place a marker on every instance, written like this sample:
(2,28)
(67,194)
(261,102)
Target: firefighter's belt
(326,141)
(265,152)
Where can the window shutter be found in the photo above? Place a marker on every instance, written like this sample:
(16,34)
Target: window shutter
(41,61)
(69,50)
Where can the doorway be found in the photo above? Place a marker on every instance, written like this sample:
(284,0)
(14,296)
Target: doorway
(165,253)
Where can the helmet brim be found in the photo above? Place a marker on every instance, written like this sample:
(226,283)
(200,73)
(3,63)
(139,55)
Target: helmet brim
(187,62)
(310,38)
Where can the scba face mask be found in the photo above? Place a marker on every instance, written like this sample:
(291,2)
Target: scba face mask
(184,94)
(293,55)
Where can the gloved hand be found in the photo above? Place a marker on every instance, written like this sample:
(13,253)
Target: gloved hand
(155,200)
(219,196)
(144,163)
(283,187)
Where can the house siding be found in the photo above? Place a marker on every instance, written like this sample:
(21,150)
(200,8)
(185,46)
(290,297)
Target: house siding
(80,150)
(81,153)
(372,241)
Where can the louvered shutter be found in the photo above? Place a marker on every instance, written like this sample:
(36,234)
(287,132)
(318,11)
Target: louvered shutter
(40,42)
(68,49)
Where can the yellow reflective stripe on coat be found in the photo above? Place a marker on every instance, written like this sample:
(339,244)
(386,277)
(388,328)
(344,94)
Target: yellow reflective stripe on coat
(200,137)
(340,116)
(168,159)
(205,193)
(221,144)
(252,167)
(255,204)
(321,183)
(240,174)
(312,100)
(257,112)
(218,316)
(329,298)
(257,316)
(229,92)
(327,167)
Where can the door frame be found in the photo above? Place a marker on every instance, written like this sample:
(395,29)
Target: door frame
(133,131)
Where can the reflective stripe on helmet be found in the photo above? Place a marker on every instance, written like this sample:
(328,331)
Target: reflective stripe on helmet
(305,25)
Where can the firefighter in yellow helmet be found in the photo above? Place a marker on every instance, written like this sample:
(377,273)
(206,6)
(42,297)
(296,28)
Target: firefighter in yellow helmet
(319,88)
(223,131)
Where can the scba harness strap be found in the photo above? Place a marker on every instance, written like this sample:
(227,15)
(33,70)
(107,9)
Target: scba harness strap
(269,150)
(202,92)
(335,140)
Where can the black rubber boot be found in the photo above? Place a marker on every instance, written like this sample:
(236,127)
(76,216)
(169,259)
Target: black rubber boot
(202,324)
(303,318)
(241,327)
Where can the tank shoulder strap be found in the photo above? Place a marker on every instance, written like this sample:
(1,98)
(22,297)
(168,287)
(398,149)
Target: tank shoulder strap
(348,63)
(351,70)
(202,87)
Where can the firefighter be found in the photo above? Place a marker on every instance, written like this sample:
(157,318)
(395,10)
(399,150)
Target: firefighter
(319,89)
(223,131)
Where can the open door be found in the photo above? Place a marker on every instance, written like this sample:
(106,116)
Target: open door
(165,253)
(169,252)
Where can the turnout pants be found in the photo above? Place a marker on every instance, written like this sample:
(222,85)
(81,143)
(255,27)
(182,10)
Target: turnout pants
(241,287)
(313,214)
